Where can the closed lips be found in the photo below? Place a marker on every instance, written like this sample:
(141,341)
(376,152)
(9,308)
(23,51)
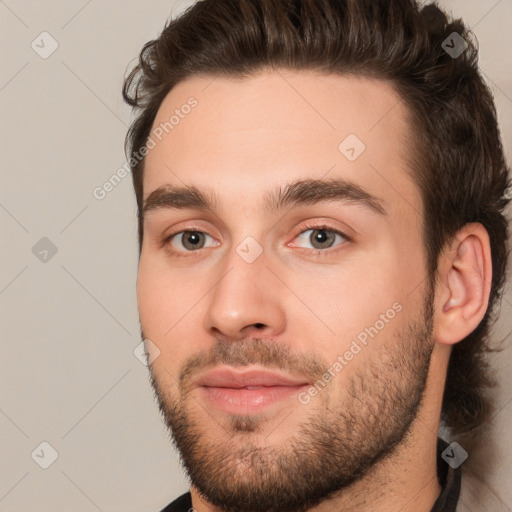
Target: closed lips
(249,379)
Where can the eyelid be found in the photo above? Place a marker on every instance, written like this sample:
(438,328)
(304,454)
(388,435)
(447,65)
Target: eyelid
(320,226)
(167,239)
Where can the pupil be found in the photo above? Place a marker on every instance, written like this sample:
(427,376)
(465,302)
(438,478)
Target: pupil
(322,237)
(192,239)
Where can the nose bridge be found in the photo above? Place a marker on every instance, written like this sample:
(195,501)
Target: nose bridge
(246,294)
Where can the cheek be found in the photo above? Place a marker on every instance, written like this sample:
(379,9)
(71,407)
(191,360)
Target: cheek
(350,303)
(153,299)
(161,290)
(166,310)
(352,306)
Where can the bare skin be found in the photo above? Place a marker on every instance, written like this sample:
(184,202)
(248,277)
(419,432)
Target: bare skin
(246,138)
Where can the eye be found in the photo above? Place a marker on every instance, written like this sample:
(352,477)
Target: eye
(187,241)
(321,237)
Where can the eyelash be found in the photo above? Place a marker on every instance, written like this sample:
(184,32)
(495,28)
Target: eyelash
(316,253)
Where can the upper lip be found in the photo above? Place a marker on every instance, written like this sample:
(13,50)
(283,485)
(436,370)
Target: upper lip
(231,378)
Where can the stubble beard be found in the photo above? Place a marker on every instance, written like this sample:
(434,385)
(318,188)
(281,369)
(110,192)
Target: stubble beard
(234,469)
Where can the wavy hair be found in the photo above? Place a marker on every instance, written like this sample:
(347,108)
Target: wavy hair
(457,160)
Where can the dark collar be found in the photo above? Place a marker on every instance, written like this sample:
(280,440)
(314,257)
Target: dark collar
(449,479)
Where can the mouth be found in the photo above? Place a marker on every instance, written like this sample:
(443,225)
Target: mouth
(247,391)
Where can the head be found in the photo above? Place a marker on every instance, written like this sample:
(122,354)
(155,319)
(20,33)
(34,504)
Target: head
(332,166)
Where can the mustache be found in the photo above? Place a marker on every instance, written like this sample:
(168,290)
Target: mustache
(251,351)
(268,354)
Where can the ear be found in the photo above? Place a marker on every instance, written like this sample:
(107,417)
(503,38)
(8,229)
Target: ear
(463,284)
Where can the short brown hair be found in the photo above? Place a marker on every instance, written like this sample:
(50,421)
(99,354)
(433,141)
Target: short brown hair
(458,162)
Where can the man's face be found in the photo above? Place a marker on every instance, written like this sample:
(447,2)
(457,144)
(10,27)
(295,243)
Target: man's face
(294,332)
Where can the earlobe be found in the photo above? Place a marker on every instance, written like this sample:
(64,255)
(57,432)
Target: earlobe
(464,284)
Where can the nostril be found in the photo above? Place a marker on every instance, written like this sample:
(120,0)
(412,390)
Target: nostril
(259,326)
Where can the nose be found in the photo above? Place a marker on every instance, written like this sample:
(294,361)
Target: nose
(247,300)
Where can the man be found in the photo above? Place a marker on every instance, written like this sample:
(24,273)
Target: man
(321,188)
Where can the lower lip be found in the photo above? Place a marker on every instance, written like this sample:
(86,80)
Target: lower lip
(249,401)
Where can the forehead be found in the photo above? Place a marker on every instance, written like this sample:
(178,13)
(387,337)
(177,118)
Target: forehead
(244,137)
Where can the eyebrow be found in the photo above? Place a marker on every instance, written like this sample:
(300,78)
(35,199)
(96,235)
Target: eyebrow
(302,192)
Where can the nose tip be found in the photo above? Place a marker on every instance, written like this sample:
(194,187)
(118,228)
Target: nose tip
(245,299)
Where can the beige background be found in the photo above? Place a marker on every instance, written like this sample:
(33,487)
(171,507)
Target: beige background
(69,326)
